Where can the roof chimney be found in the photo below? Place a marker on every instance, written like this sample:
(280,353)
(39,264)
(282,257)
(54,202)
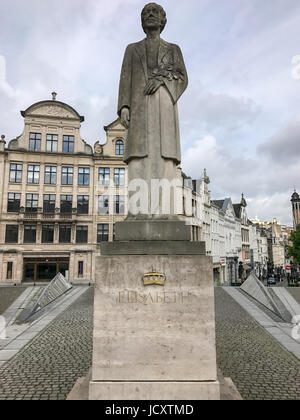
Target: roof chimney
(2,143)
(54,94)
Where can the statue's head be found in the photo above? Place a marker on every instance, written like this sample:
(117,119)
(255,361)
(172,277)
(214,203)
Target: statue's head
(153,17)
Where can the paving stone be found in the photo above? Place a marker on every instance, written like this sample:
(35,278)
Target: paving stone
(8,295)
(7,354)
(48,367)
(55,358)
(16,344)
(295,292)
(258,365)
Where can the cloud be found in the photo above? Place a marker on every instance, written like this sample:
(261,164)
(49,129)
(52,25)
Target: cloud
(266,184)
(219,111)
(4,85)
(228,112)
(284,146)
(229,175)
(278,205)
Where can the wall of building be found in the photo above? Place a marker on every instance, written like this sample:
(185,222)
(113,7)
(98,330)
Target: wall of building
(51,117)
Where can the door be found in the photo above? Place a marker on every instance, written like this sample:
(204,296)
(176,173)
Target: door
(44,269)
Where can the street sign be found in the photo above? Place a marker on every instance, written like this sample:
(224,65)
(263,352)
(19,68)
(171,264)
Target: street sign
(223,262)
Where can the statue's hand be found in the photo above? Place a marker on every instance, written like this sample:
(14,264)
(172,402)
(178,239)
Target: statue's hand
(152,86)
(125,117)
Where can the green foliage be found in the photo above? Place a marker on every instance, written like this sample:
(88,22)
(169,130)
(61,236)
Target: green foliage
(294,251)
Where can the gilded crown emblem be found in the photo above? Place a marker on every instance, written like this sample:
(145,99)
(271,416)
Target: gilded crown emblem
(154,278)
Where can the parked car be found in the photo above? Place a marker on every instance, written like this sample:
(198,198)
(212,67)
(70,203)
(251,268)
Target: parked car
(271,281)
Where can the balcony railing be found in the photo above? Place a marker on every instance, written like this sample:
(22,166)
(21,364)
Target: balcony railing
(51,217)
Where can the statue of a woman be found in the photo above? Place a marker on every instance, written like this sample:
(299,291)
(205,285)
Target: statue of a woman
(152,80)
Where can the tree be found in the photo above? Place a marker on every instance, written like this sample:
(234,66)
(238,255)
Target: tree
(294,250)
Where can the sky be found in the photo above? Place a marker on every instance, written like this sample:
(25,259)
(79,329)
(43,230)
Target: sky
(240,116)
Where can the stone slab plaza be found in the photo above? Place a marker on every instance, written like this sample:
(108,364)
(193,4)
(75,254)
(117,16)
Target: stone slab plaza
(260,367)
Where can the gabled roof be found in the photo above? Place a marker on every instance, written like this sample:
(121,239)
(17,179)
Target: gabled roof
(237,210)
(218,203)
(222,204)
(184,176)
(39,105)
(113,125)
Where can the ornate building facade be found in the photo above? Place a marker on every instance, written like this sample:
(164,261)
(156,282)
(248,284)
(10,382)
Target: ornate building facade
(59,198)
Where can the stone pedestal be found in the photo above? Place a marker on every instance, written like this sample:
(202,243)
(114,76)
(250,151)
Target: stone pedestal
(153,230)
(154,324)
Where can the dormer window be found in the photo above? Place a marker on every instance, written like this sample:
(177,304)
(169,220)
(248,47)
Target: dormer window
(119,148)
(35,140)
(52,143)
(68,144)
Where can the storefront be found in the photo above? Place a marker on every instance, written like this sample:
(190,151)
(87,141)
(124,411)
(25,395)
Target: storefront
(217,275)
(219,272)
(44,269)
(232,271)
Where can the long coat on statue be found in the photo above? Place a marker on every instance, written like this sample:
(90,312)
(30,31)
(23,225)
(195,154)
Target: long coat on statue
(134,77)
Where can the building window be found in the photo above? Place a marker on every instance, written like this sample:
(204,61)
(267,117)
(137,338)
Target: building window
(12,234)
(50,175)
(102,233)
(15,174)
(195,234)
(65,234)
(81,234)
(119,177)
(29,234)
(52,143)
(80,268)
(32,201)
(66,203)
(83,176)
(9,270)
(103,204)
(33,174)
(67,175)
(104,176)
(13,205)
(119,148)
(82,204)
(119,204)
(68,144)
(35,140)
(48,234)
(49,203)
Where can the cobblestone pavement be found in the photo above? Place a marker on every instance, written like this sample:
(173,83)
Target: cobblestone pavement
(48,367)
(255,361)
(8,295)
